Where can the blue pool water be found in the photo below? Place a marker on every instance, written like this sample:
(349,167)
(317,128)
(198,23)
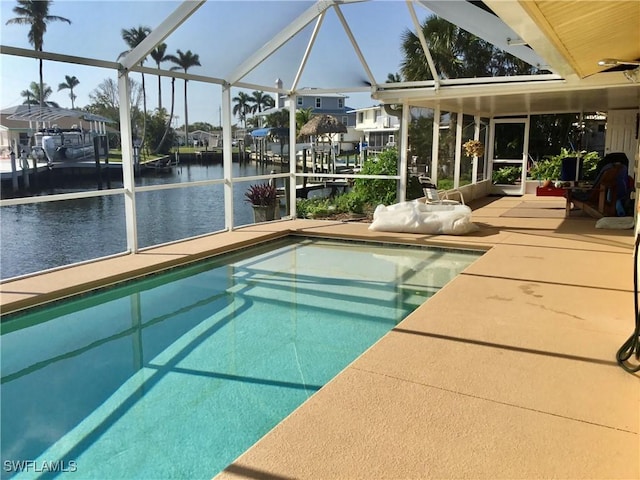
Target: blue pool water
(175,375)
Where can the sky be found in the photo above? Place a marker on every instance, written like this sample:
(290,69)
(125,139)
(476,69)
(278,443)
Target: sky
(223,34)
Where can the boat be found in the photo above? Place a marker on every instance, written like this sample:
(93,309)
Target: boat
(57,145)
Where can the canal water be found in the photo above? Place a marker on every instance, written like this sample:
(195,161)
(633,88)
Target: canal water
(46,235)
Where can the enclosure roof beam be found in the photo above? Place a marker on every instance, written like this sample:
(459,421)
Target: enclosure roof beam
(286,34)
(162,31)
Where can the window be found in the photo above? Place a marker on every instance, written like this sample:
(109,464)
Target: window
(299,101)
(341,103)
(360,117)
(318,102)
(344,120)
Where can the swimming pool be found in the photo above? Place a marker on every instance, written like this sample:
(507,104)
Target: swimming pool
(177,374)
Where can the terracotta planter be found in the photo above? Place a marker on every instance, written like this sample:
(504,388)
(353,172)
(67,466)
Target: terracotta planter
(263,213)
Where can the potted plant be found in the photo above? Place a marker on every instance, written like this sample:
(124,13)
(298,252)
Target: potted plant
(473,148)
(263,199)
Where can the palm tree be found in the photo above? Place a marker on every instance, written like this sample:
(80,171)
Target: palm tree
(278,119)
(442,39)
(36,14)
(34,97)
(260,100)
(242,107)
(456,53)
(69,83)
(158,55)
(394,78)
(133,37)
(254,122)
(185,61)
(303,116)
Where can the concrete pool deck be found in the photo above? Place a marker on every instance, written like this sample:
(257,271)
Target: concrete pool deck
(509,371)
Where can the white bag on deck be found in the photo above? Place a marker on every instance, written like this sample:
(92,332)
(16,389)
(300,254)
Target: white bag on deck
(419,217)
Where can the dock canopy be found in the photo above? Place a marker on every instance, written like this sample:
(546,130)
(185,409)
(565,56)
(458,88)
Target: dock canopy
(270,131)
(43,114)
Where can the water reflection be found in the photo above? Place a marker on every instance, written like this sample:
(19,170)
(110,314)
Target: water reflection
(46,235)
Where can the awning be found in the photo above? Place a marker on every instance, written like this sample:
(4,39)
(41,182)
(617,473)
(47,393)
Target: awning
(271,131)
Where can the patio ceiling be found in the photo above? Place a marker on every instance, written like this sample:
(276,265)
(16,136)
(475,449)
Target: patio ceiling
(570,37)
(520,97)
(581,31)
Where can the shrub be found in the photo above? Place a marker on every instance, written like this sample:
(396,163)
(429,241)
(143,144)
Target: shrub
(546,169)
(445,184)
(320,207)
(349,202)
(312,207)
(589,165)
(550,168)
(507,175)
(378,191)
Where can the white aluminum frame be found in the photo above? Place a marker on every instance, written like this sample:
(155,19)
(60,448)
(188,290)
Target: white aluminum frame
(522,162)
(481,23)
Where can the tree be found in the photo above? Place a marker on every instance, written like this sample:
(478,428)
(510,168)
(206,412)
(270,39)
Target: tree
(36,14)
(278,119)
(106,101)
(185,61)
(456,53)
(394,78)
(253,122)
(204,126)
(158,55)
(303,116)
(440,36)
(157,133)
(168,131)
(34,97)
(242,107)
(133,37)
(69,83)
(378,191)
(261,100)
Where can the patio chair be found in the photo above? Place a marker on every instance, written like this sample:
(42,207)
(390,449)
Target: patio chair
(610,191)
(439,197)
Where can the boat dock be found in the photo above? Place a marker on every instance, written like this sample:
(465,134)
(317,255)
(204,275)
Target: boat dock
(6,171)
(85,166)
(46,173)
